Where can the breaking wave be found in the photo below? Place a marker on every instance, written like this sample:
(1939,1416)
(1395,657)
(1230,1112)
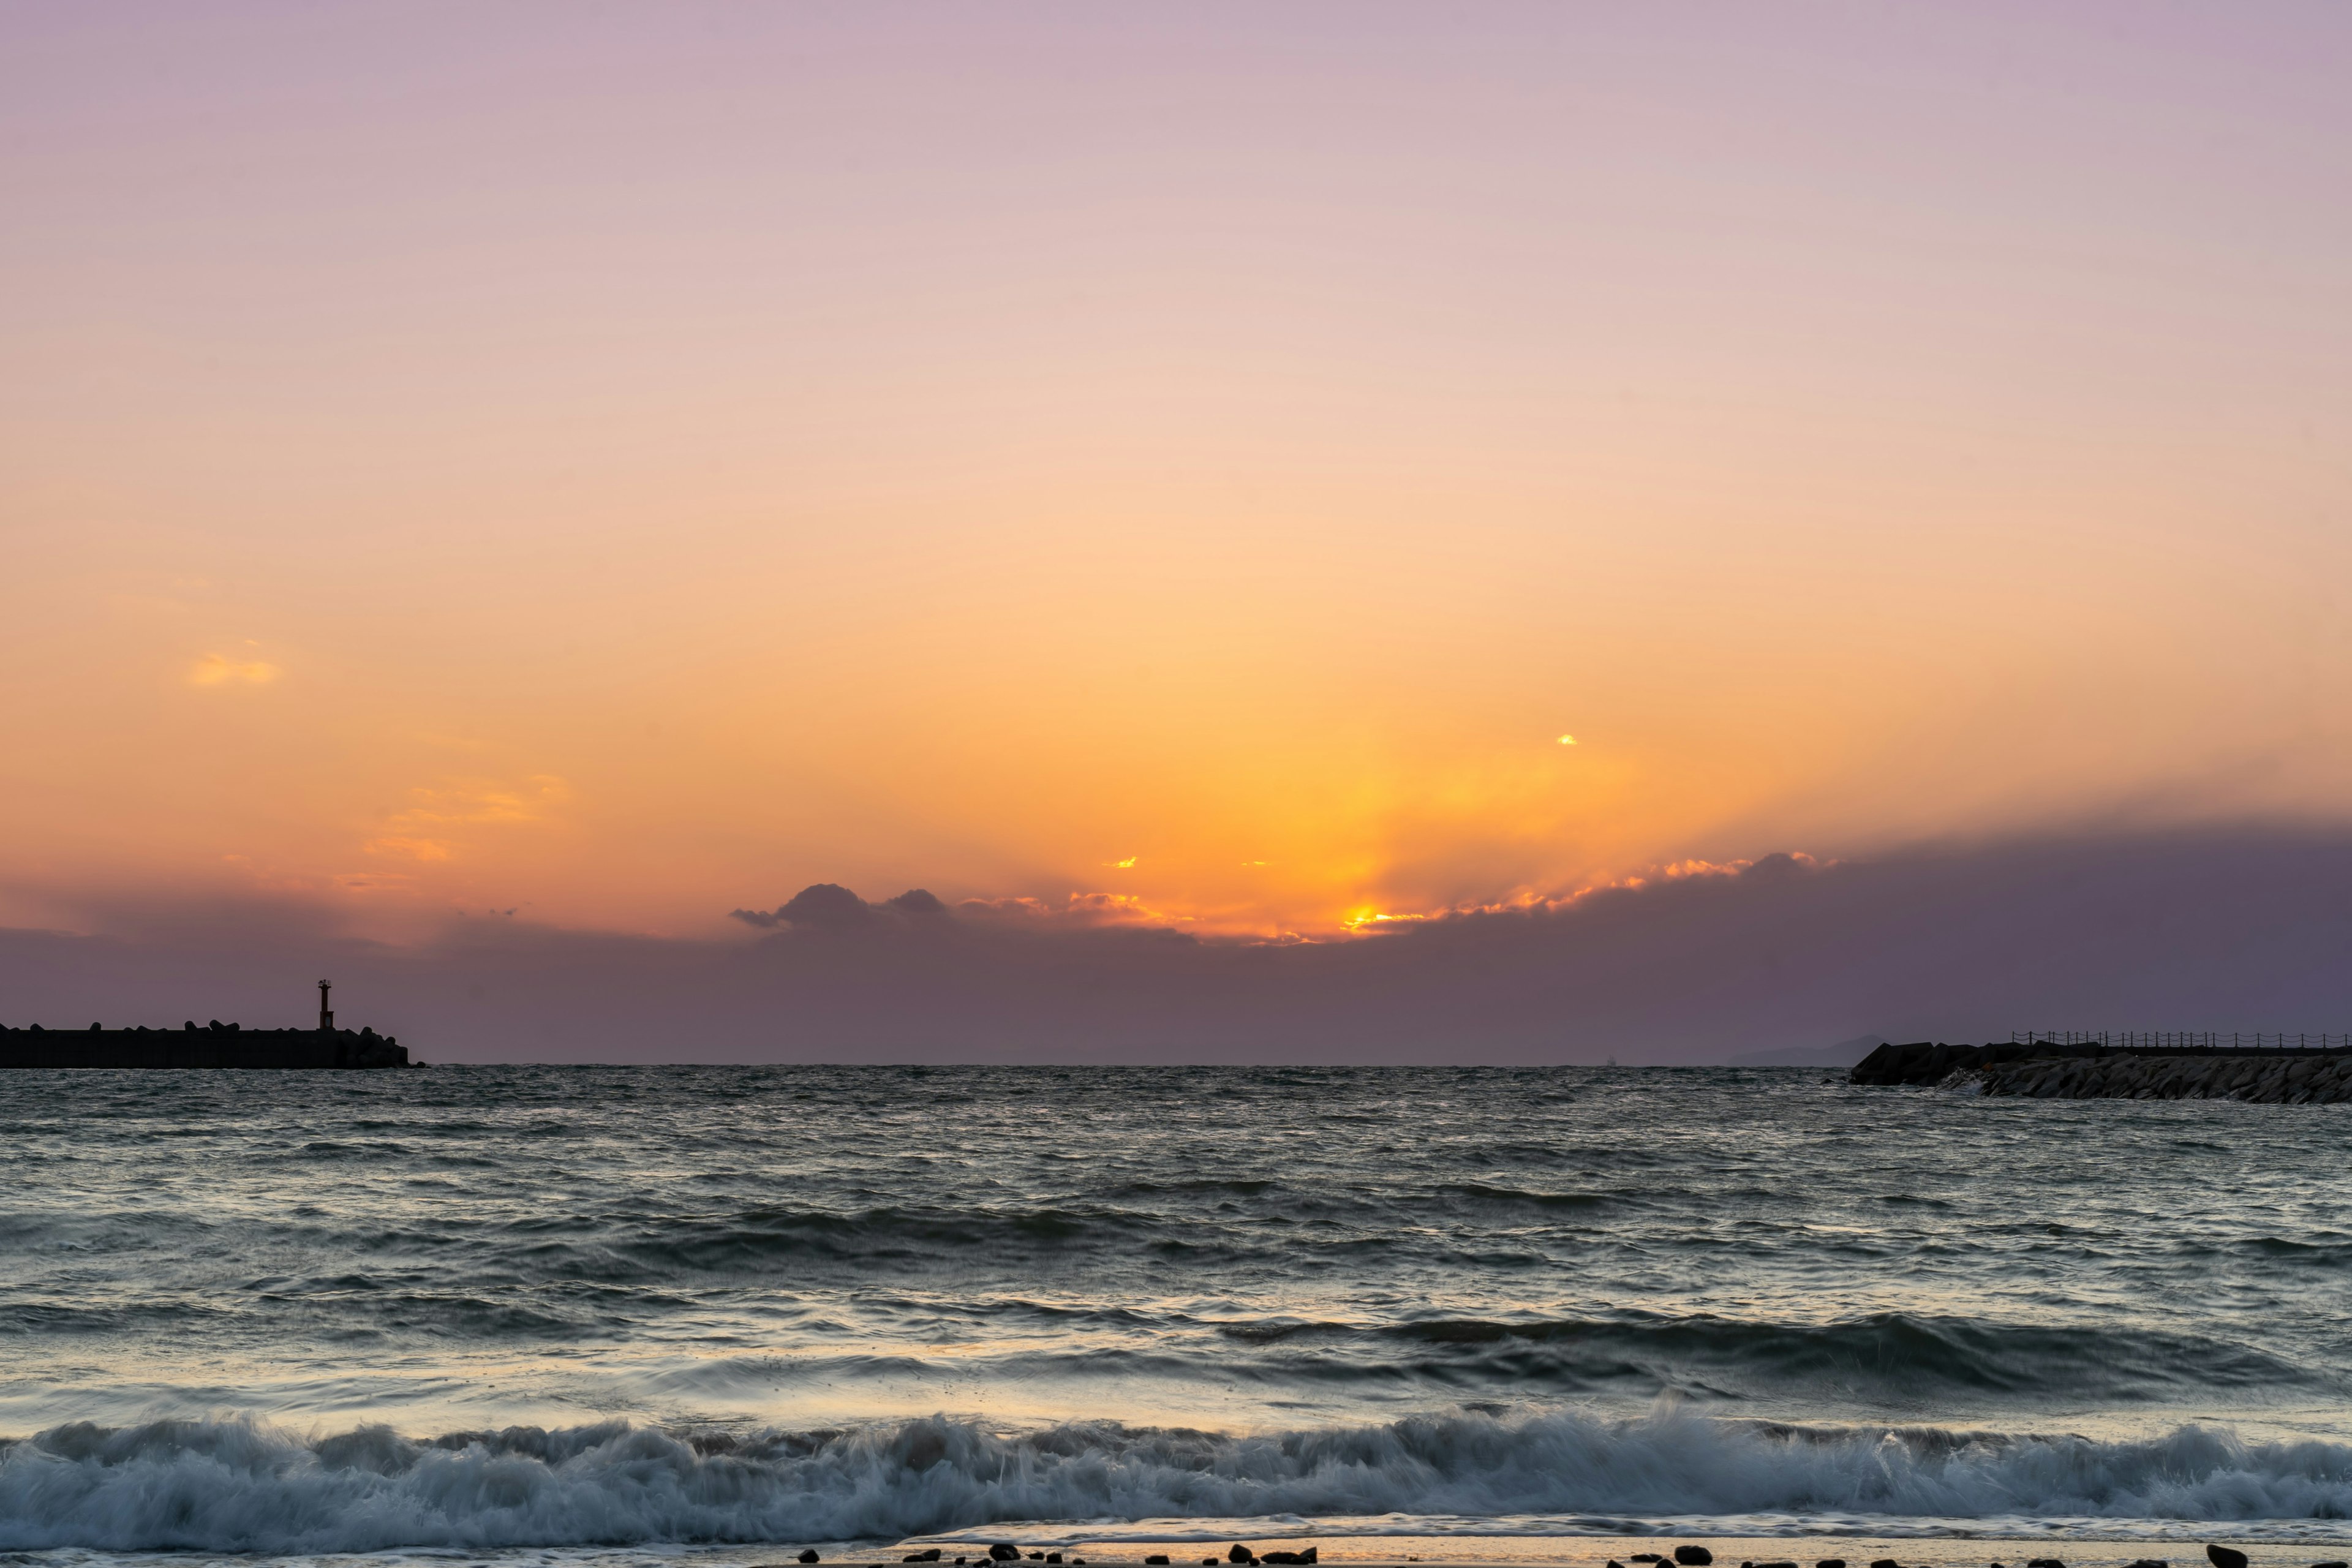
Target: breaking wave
(245,1486)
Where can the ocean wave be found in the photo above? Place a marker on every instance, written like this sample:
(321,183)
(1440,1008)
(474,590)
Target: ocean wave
(1882,1361)
(245,1486)
(1889,1365)
(1880,1356)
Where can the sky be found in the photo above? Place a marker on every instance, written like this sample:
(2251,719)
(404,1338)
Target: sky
(1270,474)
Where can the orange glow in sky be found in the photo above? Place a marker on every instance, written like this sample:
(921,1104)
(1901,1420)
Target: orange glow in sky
(1271,474)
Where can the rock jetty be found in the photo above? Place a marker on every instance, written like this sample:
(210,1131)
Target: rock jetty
(2270,1077)
(218,1045)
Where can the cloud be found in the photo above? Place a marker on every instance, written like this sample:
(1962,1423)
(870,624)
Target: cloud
(829,907)
(219,669)
(474,802)
(371,881)
(825,906)
(1077,909)
(439,817)
(2224,930)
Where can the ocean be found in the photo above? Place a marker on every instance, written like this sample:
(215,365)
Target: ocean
(720,1315)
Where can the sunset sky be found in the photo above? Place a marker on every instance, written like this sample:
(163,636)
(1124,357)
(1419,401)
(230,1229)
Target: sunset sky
(622,463)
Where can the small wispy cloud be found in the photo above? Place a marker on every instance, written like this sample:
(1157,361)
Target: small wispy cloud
(438,816)
(219,669)
(371,881)
(1079,909)
(472,802)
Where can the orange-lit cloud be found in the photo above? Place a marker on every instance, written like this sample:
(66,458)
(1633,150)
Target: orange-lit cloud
(1079,909)
(438,816)
(474,802)
(218,669)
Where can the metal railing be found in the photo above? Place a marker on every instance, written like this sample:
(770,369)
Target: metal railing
(2184,1039)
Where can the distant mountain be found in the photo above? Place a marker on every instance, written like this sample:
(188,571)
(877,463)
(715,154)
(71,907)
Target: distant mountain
(1845,1053)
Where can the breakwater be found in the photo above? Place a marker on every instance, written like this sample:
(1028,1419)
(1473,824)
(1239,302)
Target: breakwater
(216,1045)
(2274,1075)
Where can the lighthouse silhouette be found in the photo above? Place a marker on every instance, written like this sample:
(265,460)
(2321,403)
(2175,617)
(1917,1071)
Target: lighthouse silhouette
(326,1017)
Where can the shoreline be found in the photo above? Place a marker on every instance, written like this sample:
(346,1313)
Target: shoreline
(1743,1550)
(1739,1550)
(2003,1545)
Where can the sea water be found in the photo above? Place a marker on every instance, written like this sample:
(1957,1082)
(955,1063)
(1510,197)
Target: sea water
(636,1316)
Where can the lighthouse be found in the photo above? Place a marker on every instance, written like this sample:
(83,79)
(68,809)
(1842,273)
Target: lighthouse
(326,1018)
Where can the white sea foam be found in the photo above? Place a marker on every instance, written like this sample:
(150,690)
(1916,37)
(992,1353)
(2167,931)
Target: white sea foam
(242,1485)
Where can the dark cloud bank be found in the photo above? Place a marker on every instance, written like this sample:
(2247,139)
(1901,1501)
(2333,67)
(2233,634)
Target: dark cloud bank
(2219,930)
